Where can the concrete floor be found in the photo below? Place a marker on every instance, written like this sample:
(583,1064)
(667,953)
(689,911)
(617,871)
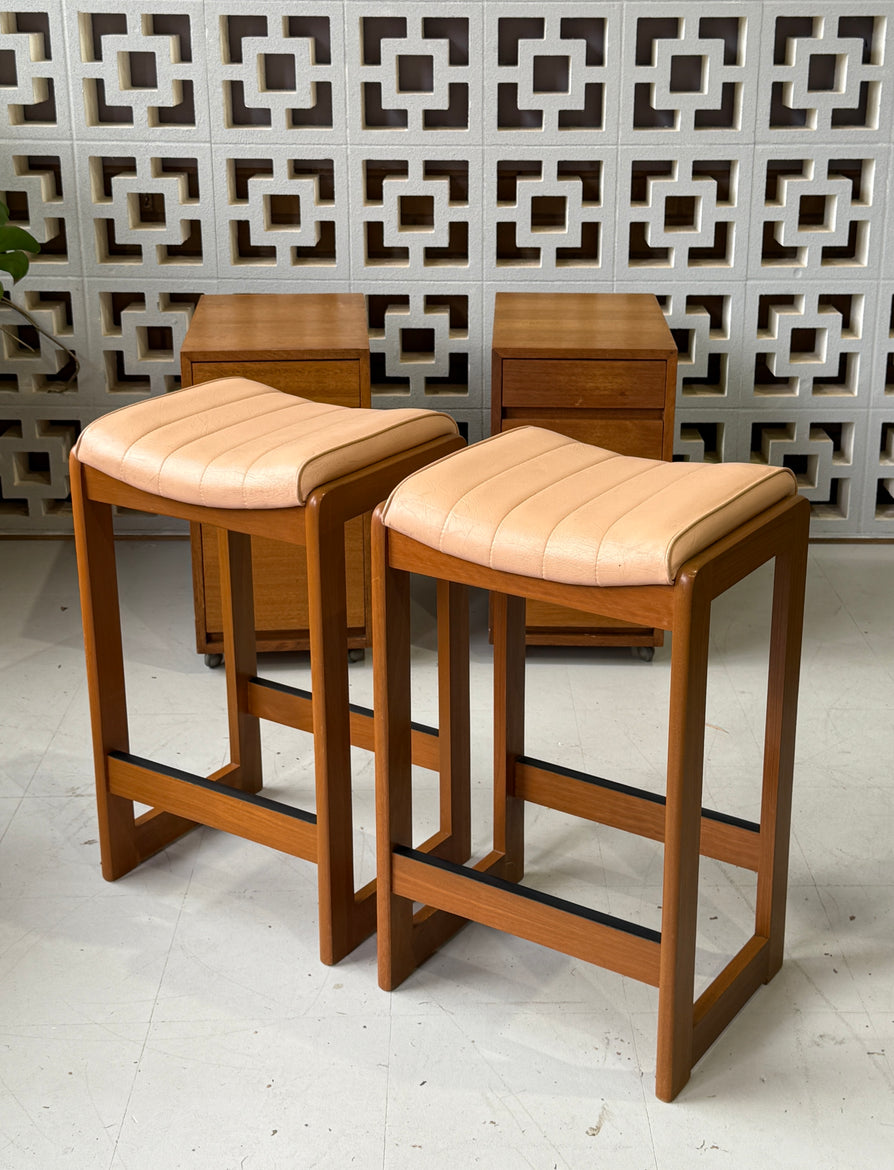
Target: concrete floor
(180,1017)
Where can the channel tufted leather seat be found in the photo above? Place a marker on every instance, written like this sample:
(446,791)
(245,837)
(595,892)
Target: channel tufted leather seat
(530,513)
(538,504)
(236,443)
(248,460)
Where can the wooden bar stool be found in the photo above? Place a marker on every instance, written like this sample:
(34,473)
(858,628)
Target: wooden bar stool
(531,513)
(248,460)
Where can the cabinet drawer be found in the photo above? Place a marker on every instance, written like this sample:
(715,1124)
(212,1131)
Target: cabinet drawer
(329,381)
(627,436)
(279,574)
(541,617)
(579,383)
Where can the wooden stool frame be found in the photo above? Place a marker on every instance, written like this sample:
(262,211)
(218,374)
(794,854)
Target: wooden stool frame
(486,892)
(228,799)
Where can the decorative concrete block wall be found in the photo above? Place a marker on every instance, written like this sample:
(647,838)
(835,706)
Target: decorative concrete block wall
(735,160)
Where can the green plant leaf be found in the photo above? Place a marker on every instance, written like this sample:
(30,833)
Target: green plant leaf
(15,263)
(14,238)
(4,214)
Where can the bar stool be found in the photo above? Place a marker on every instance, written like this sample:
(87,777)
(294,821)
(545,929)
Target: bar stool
(249,460)
(531,513)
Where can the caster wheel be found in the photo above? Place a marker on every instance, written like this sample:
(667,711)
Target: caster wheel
(356,655)
(212,661)
(643,653)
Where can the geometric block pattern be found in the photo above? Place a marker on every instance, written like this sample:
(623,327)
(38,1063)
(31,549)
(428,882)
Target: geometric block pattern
(136,333)
(683,212)
(547,212)
(809,344)
(734,160)
(38,185)
(415,214)
(278,70)
(819,212)
(420,346)
(705,322)
(549,72)
(34,450)
(821,453)
(138,69)
(281,213)
(881,474)
(827,70)
(415,71)
(688,72)
(33,76)
(699,440)
(882,382)
(32,368)
(152,211)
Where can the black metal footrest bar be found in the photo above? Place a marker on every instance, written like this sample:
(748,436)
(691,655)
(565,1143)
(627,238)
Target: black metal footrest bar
(590,935)
(292,707)
(635,810)
(213,803)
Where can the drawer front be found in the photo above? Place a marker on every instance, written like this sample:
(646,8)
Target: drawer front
(576,383)
(627,436)
(337,381)
(279,571)
(542,617)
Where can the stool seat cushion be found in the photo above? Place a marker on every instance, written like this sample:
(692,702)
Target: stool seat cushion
(234,443)
(538,504)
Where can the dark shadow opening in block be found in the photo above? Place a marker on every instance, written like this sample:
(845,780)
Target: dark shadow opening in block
(456,250)
(713,381)
(375,29)
(509,252)
(551,74)
(456,114)
(319,115)
(315,28)
(417,343)
(415,73)
(377,252)
(238,113)
(586,255)
(279,72)
(511,30)
(455,381)
(686,73)
(323,251)
(453,29)
(509,116)
(590,115)
(375,116)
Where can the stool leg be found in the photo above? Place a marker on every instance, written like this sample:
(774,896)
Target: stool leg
(779,741)
(394,813)
(344,920)
(98,581)
(508,616)
(240,660)
(686,739)
(455,830)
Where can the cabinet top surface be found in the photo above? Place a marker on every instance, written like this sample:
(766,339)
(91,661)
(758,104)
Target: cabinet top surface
(588,325)
(271,326)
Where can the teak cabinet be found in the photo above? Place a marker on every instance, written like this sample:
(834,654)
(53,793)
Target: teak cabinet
(315,345)
(599,367)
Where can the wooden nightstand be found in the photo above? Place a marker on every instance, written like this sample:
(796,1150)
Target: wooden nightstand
(315,345)
(599,367)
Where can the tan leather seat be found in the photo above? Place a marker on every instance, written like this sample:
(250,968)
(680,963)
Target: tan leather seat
(234,443)
(536,503)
